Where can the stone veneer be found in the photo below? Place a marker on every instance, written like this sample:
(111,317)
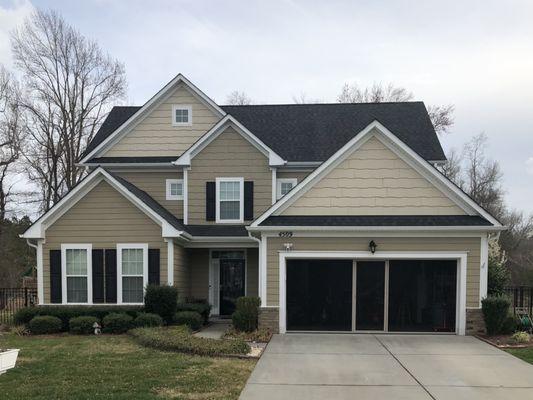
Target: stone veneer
(475,325)
(269,318)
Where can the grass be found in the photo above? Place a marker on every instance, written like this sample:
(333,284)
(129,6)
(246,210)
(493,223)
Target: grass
(525,353)
(115,367)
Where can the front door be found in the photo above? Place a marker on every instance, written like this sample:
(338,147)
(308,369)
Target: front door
(232,276)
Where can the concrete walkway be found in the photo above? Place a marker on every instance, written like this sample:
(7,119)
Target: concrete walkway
(215,330)
(322,366)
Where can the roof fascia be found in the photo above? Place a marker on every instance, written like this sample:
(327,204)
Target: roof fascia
(318,228)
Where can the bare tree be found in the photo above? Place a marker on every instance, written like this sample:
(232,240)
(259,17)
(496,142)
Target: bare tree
(441,116)
(303,98)
(10,134)
(237,98)
(70,86)
(451,169)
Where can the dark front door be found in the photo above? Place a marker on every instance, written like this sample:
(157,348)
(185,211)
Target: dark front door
(232,277)
(319,295)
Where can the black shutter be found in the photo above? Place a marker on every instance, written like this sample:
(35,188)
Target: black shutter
(210,199)
(55,276)
(248,200)
(98,275)
(110,276)
(153,266)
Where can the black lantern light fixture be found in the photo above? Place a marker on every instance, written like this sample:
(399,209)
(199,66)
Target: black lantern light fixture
(372,246)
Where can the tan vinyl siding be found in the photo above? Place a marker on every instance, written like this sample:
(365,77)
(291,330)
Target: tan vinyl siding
(103,218)
(252,272)
(470,245)
(199,269)
(154,183)
(229,155)
(156,136)
(182,272)
(290,174)
(373,181)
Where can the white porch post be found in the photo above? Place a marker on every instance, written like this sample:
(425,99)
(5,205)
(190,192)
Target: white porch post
(484,268)
(170,261)
(263,271)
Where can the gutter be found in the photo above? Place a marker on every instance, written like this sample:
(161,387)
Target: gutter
(376,228)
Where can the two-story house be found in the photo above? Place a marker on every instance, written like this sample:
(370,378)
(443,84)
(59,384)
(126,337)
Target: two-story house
(333,214)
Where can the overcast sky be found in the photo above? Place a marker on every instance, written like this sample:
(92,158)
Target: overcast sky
(477,55)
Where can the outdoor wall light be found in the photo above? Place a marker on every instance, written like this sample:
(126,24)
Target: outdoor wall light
(288,246)
(372,246)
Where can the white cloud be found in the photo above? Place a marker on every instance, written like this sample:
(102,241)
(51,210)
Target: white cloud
(529,165)
(12,14)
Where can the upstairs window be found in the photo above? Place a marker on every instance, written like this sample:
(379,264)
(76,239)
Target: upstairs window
(181,115)
(229,200)
(284,186)
(174,189)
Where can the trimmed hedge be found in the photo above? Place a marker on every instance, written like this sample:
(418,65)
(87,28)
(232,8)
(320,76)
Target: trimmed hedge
(161,300)
(245,317)
(65,312)
(117,323)
(178,339)
(42,325)
(202,308)
(82,325)
(147,320)
(495,313)
(190,318)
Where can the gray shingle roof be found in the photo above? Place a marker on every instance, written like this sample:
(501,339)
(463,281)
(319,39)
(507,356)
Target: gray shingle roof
(313,132)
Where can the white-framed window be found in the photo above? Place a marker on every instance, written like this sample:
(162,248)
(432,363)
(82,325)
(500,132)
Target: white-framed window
(181,115)
(174,189)
(76,272)
(132,272)
(229,200)
(285,185)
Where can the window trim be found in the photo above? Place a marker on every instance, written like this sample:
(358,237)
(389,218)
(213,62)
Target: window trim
(169,195)
(175,107)
(124,246)
(279,181)
(77,246)
(241,200)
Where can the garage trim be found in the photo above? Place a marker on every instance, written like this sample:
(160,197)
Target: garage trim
(461,258)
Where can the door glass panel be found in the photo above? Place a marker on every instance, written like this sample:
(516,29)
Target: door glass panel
(422,295)
(232,277)
(370,296)
(319,295)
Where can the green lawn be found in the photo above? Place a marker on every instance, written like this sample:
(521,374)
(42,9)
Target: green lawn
(525,354)
(114,367)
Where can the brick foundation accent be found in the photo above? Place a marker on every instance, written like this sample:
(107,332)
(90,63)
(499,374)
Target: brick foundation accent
(269,318)
(475,324)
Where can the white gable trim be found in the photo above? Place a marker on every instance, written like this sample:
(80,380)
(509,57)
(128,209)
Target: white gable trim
(38,229)
(274,159)
(403,151)
(142,113)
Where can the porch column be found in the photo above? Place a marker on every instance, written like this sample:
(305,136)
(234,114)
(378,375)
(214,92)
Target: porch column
(170,261)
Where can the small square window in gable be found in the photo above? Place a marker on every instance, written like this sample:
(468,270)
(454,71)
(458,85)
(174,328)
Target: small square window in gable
(181,115)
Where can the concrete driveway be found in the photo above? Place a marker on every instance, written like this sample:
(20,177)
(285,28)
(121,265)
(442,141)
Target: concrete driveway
(322,366)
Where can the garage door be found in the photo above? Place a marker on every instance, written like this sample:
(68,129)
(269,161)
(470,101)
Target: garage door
(319,295)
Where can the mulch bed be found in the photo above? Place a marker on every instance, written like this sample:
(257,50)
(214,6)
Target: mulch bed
(504,342)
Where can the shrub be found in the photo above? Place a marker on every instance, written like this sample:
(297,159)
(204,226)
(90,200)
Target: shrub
(45,324)
(262,335)
(495,311)
(178,339)
(521,337)
(246,315)
(510,324)
(161,300)
(147,320)
(82,325)
(65,313)
(117,323)
(202,308)
(190,318)
(20,330)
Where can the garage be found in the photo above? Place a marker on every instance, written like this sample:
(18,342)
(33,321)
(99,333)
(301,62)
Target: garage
(349,295)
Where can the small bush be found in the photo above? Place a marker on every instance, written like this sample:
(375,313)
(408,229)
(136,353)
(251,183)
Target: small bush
(117,323)
(20,330)
(82,325)
(147,320)
(521,337)
(202,308)
(178,339)
(510,325)
(245,317)
(161,300)
(42,325)
(190,318)
(262,335)
(495,311)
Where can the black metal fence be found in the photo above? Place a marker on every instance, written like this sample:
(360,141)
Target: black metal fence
(12,299)
(521,296)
